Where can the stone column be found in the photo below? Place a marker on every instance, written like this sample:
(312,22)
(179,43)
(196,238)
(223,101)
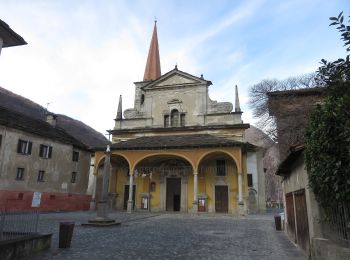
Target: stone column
(240,189)
(195,192)
(130,201)
(102,210)
(93,195)
(241,210)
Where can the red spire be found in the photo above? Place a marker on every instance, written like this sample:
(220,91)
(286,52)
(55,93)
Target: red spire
(152,71)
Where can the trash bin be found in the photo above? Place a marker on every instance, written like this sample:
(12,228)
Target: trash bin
(278,222)
(66,233)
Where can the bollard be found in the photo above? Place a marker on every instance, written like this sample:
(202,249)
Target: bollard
(65,234)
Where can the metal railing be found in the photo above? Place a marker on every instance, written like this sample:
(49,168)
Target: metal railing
(336,226)
(18,224)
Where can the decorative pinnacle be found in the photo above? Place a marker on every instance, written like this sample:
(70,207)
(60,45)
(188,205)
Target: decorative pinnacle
(120,112)
(237,106)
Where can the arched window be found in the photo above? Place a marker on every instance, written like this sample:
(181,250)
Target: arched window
(175,118)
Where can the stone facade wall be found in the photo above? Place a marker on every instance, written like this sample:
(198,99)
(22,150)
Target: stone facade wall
(187,95)
(292,114)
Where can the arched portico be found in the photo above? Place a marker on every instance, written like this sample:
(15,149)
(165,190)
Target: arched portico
(164,182)
(218,181)
(148,174)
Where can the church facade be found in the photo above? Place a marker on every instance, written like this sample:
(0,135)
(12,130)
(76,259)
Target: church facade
(176,149)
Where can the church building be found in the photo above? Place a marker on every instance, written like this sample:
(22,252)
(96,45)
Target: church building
(178,150)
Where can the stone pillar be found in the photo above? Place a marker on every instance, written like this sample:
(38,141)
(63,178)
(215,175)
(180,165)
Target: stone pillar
(102,210)
(105,178)
(240,189)
(131,186)
(241,210)
(1,43)
(195,192)
(93,195)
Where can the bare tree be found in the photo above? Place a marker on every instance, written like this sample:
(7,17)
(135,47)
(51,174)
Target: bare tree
(259,101)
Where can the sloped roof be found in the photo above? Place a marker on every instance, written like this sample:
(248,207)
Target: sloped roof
(297,92)
(169,74)
(285,166)
(177,142)
(75,128)
(152,70)
(13,119)
(10,37)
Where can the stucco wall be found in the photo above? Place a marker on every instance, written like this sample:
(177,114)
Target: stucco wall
(186,94)
(298,180)
(58,169)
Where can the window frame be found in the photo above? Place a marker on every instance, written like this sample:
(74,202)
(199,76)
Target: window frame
(24,147)
(174,119)
(45,151)
(221,168)
(73,178)
(250,182)
(75,156)
(41,175)
(20,174)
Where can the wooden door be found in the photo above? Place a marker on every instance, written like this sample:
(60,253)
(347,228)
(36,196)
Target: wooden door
(290,216)
(301,220)
(126,196)
(221,199)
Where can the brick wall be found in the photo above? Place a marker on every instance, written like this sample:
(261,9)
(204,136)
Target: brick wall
(50,201)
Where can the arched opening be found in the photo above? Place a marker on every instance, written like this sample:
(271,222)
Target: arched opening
(118,181)
(162,181)
(175,118)
(218,182)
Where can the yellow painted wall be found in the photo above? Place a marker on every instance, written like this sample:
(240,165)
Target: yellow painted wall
(195,157)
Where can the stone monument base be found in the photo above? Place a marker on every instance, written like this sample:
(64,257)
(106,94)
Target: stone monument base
(102,219)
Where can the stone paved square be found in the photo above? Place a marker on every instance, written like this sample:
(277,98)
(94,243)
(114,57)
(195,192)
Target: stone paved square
(170,236)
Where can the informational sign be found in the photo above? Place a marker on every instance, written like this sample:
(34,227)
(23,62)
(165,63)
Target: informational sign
(36,199)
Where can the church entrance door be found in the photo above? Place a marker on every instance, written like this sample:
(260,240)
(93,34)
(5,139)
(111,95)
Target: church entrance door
(173,194)
(221,199)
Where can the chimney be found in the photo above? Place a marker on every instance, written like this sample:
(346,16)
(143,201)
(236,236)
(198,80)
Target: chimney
(51,118)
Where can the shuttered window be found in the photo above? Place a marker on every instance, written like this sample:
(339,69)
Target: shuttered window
(24,147)
(45,151)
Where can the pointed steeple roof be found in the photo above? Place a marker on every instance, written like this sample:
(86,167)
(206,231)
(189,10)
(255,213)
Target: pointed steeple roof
(152,71)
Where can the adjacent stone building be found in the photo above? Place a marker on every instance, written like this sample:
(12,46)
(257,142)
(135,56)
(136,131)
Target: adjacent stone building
(178,150)
(44,158)
(304,221)
(38,156)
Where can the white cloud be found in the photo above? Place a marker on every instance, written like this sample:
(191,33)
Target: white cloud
(82,55)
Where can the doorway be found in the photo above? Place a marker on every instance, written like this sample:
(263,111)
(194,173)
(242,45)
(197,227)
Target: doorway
(126,196)
(221,199)
(173,194)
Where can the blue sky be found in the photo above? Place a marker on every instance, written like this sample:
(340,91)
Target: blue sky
(81,55)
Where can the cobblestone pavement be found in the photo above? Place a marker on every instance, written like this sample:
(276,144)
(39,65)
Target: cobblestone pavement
(170,236)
